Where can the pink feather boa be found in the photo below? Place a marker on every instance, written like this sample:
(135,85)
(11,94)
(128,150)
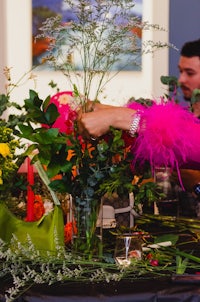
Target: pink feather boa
(169,135)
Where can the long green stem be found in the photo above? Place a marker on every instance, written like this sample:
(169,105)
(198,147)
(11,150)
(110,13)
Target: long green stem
(46,181)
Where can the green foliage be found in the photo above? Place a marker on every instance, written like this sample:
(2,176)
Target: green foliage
(12,182)
(12,120)
(181,264)
(173,238)
(148,193)
(195,96)
(33,105)
(171,81)
(86,169)
(92,160)
(8,163)
(29,267)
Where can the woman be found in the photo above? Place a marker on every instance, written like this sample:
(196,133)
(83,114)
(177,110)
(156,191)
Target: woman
(166,133)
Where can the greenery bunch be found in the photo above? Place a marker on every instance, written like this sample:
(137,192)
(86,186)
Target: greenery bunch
(11,114)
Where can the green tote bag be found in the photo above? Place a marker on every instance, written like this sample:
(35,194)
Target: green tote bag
(46,234)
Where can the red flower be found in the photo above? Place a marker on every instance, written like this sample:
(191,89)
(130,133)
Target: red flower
(149,256)
(128,140)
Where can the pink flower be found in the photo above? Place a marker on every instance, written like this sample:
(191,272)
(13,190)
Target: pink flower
(64,102)
(154,262)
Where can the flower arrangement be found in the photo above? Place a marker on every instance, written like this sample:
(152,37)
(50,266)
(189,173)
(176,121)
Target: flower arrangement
(75,166)
(93,169)
(102,27)
(85,169)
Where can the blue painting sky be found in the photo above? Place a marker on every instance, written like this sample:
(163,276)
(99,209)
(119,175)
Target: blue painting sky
(61,7)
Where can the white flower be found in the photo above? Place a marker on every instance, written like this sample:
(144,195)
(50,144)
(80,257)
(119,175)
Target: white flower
(48,206)
(65,99)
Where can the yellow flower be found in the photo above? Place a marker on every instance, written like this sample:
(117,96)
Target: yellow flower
(1,180)
(4,149)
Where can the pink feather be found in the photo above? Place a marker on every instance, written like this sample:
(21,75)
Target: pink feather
(168,136)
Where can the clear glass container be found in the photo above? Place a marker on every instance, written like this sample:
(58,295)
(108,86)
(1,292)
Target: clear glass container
(128,248)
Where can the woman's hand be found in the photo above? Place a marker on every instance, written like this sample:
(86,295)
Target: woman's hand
(87,122)
(98,122)
(94,124)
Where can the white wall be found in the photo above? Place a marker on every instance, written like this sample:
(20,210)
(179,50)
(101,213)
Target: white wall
(17,38)
(3,43)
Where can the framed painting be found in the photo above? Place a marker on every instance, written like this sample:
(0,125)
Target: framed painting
(44,9)
(17,53)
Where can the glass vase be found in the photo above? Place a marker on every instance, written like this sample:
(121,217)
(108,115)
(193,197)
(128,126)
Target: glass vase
(128,248)
(87,237)
(169,204)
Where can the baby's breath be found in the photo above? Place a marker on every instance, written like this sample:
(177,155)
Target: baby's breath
(100,34)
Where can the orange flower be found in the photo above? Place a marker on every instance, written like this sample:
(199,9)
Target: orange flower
(39,209)
(70,229)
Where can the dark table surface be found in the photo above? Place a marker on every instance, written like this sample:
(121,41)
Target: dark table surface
(123,291)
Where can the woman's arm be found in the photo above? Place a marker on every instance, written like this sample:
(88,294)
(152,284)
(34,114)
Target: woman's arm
(99,121)
(168,134)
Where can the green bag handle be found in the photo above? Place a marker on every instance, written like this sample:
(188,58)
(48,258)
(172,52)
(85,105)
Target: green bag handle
(46,181)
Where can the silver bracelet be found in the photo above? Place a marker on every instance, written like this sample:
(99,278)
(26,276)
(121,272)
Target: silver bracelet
(135,124)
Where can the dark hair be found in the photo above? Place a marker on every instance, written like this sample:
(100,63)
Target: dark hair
(191,49)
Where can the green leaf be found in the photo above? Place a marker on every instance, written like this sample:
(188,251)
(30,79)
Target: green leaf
(52,84)
(102,147)
(189,256)
(171,81)
(181,264)
(67,167)
(45,154)
(26,130)
(46,137)
(51,114)
(88,191)
(31,148)
(92,181)
(34,100)
(167,237)
(46,103)
(53,169)
(59,185)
